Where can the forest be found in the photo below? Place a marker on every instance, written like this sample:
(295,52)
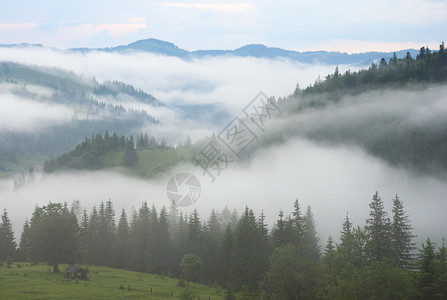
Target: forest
(238,252)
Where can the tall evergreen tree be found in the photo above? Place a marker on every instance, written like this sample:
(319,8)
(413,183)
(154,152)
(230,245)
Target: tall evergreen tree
(310,237)
(279,233)
(24,245)
(194,241)
(298,222)
(7,240)
(378,227)
(401,236)
(54,235)
(122,249)
(427,270)
(140,235)
(225,257)
(246,269)
(164,242)
(130,158)
(212,235)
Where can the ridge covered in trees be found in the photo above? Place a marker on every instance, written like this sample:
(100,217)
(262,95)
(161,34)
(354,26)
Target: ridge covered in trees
(88,154)
(428,66)
(239,253)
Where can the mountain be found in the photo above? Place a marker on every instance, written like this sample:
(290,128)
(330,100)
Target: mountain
(254,50)
(80,107)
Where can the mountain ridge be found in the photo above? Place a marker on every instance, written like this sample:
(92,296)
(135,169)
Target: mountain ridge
(160,47)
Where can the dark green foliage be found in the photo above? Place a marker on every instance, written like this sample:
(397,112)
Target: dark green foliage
(130,158)
(7,240)
(427,67)
(192,267)
(24,246)
(54,235)
(121,258)
(379,230)
(240,257)
(225,257)
(285,278)
(87,154)
(401,236)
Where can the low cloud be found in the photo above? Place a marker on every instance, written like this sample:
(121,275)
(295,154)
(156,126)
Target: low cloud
(232,81)
(332,179)
(21,114)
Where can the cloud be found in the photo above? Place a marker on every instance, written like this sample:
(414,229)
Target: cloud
(331,179)
(227,7)
(17,26)
(233,81)
(359,46)
(23,114)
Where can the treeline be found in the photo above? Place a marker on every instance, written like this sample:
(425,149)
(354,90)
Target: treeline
(428,66)
(87,155)
(240,253)
(117,87)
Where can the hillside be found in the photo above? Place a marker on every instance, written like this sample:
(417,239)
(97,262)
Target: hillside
(114,152)
(393,110)
(80,107)
(23,281)
(253,50)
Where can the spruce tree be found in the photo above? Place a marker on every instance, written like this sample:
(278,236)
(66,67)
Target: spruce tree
(310,237)
(379,230)
(401,236)
(54,235)
(122,247)
(194,241)
(24,245)
(130,158)
(225,258)
(7,240)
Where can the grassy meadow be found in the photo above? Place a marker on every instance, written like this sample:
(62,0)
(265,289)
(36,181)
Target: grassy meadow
(23,281)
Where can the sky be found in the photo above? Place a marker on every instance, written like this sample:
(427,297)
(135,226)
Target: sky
(344,25)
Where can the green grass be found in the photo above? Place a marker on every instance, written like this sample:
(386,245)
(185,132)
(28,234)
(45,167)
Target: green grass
(150,162)
(39,282)
(23,161)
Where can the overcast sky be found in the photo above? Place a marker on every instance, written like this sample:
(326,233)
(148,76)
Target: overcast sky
(343,25)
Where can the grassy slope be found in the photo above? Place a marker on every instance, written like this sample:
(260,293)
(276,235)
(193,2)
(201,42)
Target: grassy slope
(23,161)
(150,162)
(38,282)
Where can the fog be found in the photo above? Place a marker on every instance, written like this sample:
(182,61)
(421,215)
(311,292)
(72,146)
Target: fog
(19,113)
(332,180)
(233,81)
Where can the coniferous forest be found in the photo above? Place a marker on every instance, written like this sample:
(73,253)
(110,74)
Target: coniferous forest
(240,252)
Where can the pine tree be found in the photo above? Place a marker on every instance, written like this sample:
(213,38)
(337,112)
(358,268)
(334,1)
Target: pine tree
(140,235)
(92,248)
(194,241)
(122,244)
(7,239)
(130,158)
(427,270)
(401,236)
(212,235)
(163,249)
(54,235)
(310,237)
(279,234)
(346,246)
(246,269)
(378,227)
(24,245)
(298,223)
(225,257)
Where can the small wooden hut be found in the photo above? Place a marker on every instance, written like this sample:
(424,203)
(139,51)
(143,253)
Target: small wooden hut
(75,272)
